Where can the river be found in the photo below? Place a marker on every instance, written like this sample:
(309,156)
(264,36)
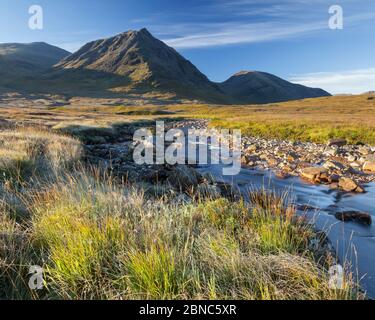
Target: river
(352,241)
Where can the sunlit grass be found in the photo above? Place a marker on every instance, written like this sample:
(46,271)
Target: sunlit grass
(97,238)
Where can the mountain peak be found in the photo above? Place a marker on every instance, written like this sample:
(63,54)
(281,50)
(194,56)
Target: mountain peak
(142,62)
(141,32)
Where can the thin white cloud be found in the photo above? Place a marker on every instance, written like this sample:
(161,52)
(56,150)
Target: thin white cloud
(293,23)
(237,33)
(351,81)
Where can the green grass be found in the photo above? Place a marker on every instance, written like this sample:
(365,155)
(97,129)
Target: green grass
(97,239)
(316,120)
(302,131)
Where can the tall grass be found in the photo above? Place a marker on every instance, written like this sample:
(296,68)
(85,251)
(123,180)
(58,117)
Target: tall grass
(98,239)
(29,152)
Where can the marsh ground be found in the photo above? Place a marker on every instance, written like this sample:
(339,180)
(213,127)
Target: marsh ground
(317,120)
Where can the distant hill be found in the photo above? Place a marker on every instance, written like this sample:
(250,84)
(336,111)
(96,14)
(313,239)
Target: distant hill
(135,63)
(262,87)
(144,63)
(17,59)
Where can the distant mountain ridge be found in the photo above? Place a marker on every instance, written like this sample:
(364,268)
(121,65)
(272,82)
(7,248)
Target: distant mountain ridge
(136,62)
(29,58)
(262,87)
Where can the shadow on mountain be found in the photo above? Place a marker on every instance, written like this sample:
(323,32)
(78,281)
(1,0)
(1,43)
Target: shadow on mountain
(83,82)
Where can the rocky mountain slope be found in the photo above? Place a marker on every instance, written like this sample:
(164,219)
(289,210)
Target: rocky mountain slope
(144,63)
(262,87)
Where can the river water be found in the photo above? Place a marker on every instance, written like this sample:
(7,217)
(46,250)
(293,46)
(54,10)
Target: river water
(352,241)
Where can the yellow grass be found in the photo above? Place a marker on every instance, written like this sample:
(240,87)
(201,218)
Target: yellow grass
(319,119)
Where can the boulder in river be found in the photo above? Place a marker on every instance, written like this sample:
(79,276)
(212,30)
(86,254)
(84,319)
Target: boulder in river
(357,216)
(349,185)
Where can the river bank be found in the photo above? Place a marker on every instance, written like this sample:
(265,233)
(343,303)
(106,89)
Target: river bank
(310,172)
(95,234)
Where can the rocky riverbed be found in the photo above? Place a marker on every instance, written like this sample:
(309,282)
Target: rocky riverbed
(337,164)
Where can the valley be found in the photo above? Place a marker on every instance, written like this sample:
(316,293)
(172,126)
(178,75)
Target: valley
(103,227)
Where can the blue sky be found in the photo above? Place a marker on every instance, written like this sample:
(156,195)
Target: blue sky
(289,38)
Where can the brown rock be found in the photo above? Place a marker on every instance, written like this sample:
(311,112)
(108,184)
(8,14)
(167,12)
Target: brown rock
(359,189)
(369,166)
(292,156)
(334,165)
(252,148)
(364,150)
(282,174)
(312,173)
(348,184)
(272,162)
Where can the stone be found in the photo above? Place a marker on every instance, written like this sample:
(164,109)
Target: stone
(364,150)
(292,156)
(357,216)
(312,173)
(337,142)
(355,164)
(360,189)
(369,166)
(282,174)
(272,162)
(347,184)
(250,149)
(322,178)
(334,165)
(248,159)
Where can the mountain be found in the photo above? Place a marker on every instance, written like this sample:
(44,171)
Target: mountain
(262,87)
(141,63)
(135,64)
(17,59)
